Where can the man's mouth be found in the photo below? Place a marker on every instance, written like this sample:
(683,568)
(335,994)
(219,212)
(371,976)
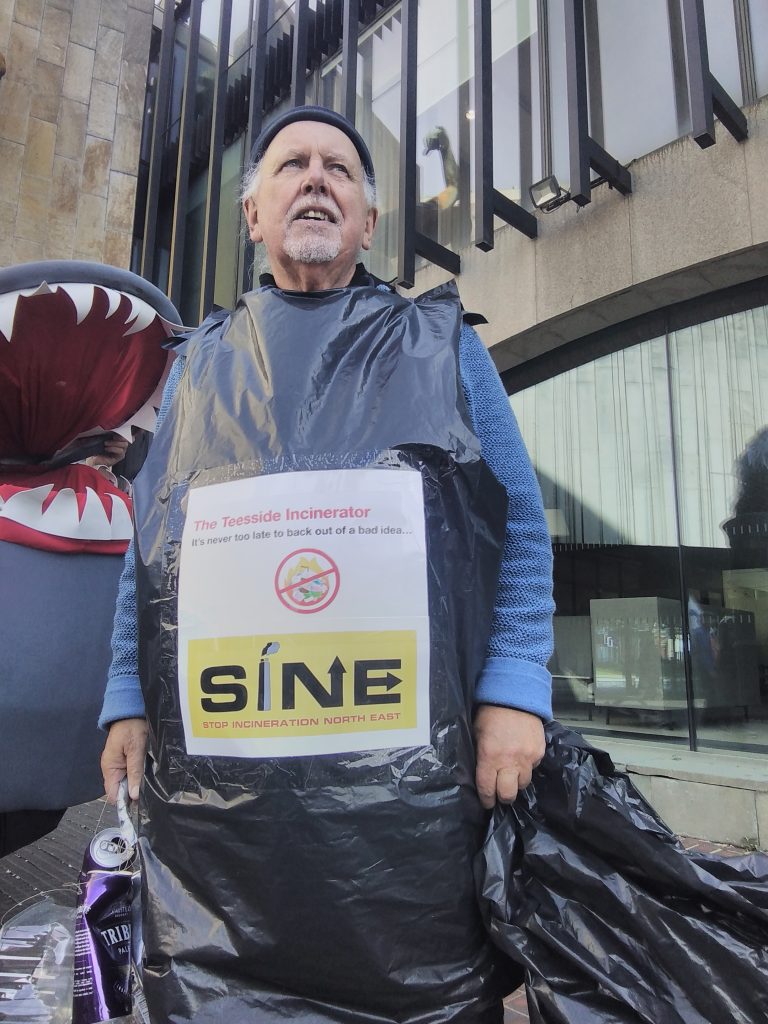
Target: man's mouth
(324,216)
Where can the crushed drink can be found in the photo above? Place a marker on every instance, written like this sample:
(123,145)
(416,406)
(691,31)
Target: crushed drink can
(102,961)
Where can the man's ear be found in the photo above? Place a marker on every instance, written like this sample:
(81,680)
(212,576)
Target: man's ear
(370,226)
(252,220)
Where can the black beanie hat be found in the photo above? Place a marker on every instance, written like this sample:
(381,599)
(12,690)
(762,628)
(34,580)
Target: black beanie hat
(310,113)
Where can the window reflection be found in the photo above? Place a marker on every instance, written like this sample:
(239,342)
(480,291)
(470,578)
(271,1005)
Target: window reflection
(758,16)
(517,149)
(638,95)
(722,47)
(240,29)
(444,131)
(720,407)
(670,431)
(202,122)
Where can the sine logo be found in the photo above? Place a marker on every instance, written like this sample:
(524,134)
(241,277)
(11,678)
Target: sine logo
(307,581)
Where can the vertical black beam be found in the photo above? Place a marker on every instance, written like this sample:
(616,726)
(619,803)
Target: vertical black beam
(679,71)
(406,233)
(186,138)
(690,692)
(159,128)
(257,69)
(488,200)
(545,109)
(212,199)
(699,78)
(576,88)
(707,96)
(349,35)
(594,71)
(463,206)
(525,114)
(299,64)
(483,127)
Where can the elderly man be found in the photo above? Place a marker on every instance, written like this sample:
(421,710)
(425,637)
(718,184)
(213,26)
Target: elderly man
(329,592)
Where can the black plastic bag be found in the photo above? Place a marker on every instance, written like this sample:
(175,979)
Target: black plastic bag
(327,887)
(614,922)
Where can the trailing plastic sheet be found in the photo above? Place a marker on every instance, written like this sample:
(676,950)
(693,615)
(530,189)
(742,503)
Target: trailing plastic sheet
(612,919)
(334,882)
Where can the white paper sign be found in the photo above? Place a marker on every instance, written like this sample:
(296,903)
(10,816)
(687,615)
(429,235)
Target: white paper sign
(303,614)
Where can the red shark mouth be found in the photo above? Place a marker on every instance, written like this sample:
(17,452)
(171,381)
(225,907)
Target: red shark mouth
(75,360)
(73,509)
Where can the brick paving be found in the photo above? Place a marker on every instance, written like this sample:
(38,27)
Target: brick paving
(55,860)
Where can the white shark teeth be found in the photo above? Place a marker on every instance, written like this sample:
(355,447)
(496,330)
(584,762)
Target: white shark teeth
(140,315)
(62,517)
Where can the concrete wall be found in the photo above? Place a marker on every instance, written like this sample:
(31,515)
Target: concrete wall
(71,106)
(697,221)
(720,796)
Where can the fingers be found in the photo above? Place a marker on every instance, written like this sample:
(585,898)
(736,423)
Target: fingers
(123,754)
(485,781)
(114,450)
(510,744)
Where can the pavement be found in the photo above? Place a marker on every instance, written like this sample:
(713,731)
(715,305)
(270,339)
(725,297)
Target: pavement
(53,863)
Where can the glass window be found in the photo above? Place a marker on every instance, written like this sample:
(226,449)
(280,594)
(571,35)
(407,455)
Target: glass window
(229,250)
(558,92)
(720,410)
(722,47)
(444,132)
(240,29)
(202,121)
(643,101)
(652,615)
(377,118)
(758,16)
(517,149)
(600,438)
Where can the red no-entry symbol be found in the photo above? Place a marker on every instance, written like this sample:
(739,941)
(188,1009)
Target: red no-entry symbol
(307,580)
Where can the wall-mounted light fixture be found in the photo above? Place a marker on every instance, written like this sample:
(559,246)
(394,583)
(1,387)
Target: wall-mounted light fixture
(548,194)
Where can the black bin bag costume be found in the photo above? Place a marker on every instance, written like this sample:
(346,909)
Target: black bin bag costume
(613,921)
(335,887)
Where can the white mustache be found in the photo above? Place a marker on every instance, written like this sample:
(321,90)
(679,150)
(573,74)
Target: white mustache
(301,206)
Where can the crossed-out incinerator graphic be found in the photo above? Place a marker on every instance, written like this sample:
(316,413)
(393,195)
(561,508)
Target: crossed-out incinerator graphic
(307,580)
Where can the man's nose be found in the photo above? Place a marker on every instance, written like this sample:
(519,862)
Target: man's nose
(314,179)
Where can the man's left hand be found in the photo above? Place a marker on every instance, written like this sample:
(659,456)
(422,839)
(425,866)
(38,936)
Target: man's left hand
(510,744)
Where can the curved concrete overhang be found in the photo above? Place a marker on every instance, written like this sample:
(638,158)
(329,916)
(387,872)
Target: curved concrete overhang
(696,222)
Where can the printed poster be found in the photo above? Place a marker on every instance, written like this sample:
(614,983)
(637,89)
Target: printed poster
(303,614)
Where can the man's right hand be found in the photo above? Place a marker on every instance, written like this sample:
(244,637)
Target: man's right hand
(123,755)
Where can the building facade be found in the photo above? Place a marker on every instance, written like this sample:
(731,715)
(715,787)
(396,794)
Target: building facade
(71,108)
(629,319)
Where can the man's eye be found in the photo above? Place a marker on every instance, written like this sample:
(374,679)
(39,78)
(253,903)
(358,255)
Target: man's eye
(342,168)
(294,162)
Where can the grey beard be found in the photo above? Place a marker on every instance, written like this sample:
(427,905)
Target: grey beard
(312,250)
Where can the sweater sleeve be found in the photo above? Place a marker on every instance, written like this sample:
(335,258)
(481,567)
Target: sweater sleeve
(123,698)
(515,672)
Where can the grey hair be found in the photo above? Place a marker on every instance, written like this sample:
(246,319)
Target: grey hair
(249,185)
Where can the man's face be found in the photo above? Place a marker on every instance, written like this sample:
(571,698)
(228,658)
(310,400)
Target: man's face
(310,206)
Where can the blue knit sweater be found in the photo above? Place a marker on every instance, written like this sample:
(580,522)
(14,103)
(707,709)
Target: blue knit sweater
(515,673)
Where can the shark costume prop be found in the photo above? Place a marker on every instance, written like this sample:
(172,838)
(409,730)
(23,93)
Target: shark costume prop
(81,356)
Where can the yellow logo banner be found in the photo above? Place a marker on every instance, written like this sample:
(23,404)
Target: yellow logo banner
(302,684)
